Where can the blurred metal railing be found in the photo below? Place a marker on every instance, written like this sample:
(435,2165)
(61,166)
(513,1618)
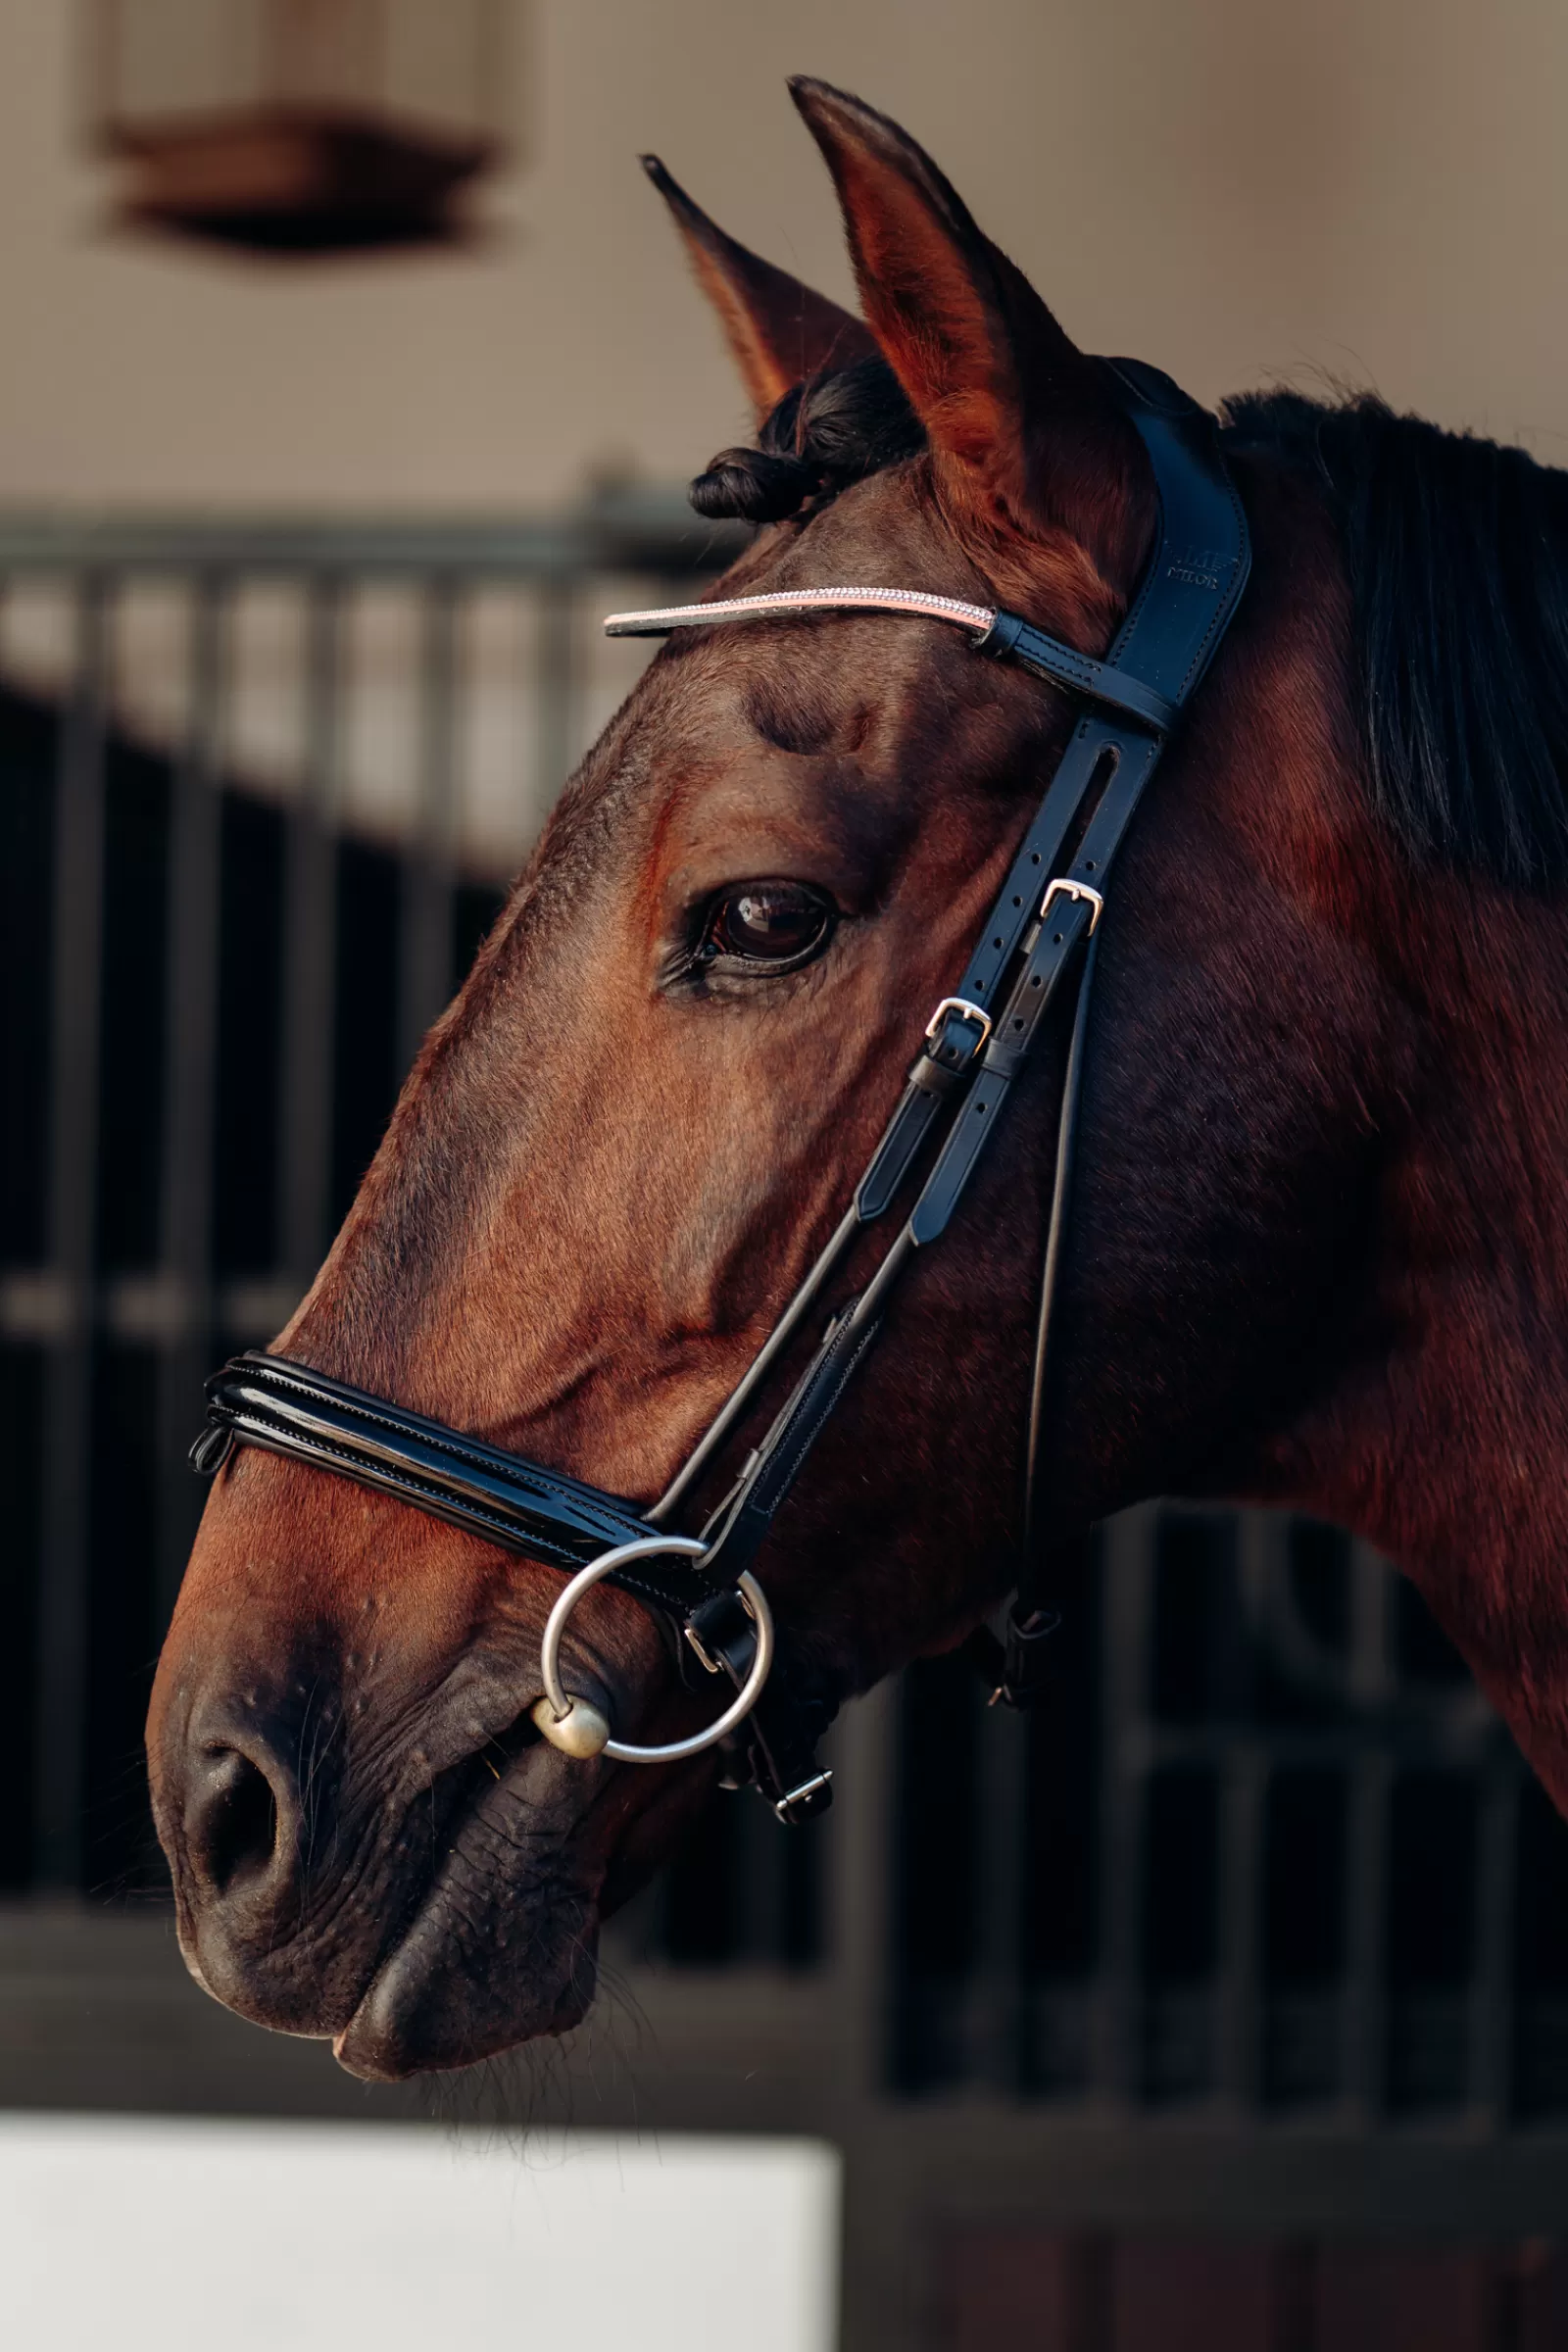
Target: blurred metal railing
(1266,1852)
(192,919)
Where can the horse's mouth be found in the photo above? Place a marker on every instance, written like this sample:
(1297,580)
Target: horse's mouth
(498,1944)
(460,1927)
(437,1901)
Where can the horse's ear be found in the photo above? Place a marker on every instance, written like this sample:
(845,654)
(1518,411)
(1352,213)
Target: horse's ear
(779,332)
(1024,435)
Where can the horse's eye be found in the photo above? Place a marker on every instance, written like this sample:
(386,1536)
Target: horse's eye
(769,922)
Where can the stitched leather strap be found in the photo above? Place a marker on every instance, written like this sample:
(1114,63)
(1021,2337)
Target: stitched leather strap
(288,1409)
(1101,681)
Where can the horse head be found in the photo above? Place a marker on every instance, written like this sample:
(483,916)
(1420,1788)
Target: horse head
(623,1146)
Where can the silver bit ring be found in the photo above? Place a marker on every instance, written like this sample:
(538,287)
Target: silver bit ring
(577,1727)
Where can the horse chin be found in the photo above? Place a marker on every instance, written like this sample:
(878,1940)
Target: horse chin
(436,2004)
(492,1956)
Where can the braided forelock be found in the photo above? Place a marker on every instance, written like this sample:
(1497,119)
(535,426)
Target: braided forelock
(834,430)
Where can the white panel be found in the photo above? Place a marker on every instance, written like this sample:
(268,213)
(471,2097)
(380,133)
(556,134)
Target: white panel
(153,2236)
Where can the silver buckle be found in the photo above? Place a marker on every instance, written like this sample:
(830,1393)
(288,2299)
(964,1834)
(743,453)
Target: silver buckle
(1063,887)
(970,1012)
(705,1654)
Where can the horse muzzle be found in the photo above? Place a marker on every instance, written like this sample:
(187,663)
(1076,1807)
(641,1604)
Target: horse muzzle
(369,1838)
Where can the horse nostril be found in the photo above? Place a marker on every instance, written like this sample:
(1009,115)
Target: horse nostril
(232,1822)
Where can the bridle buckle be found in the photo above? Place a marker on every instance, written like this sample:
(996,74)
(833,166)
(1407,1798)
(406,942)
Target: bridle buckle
(704,1654)
(966,1011)
(1063,887)
(722,1635)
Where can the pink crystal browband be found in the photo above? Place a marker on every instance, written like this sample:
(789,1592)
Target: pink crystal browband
(1000,634)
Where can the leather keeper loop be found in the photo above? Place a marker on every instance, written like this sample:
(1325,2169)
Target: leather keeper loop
(933,1077)
(957,1042)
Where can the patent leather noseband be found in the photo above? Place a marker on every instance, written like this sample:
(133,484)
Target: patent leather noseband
(1041,935)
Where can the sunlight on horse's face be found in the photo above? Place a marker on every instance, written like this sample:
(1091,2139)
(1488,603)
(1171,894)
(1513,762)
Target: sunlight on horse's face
(625,1143)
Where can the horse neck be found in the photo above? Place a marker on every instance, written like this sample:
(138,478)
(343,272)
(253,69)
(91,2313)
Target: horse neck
(1447,1445)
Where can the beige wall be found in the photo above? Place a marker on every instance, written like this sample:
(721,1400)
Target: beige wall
(1236,188)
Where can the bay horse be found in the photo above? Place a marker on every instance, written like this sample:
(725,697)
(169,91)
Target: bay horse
(1318,1248)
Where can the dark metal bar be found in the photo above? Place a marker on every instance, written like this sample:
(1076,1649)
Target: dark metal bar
(1244,1789)
(1492,1990)
(1364,2060)
(1239,2009)
(1128,1576)
(862,1751)
(429,864)
(305,1162)
(186,1209)
(77,951)
(996,2014)
(758,1883)
(1365,2009)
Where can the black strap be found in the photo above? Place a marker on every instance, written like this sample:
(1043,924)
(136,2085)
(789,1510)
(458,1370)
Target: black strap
(1034,1525)
(289,1408)
(1016,1669)
(774,1750)
(1010,638)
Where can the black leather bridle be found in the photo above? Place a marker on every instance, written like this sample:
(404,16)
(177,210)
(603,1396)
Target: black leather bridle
(1042,928)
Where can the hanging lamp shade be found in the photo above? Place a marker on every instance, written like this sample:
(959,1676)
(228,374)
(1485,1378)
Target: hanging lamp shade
(301,125)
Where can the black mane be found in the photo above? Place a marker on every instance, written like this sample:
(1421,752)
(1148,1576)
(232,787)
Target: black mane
(1457,551)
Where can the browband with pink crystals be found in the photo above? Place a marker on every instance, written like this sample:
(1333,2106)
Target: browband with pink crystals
(999,634)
